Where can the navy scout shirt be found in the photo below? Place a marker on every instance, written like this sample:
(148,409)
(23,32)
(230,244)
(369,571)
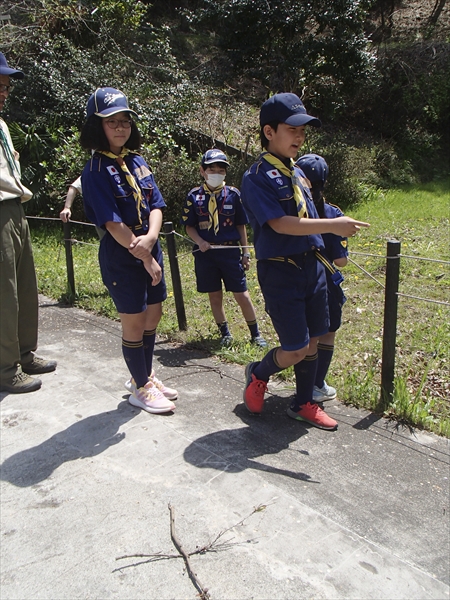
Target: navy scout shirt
(231,213)
(108,196)
(268,194)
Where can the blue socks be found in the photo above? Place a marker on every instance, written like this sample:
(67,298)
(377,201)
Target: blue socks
(134,355)
(305,377)
(268,366)
(149,346)
(325,353)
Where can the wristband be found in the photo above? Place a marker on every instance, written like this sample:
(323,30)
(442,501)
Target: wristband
(246,255)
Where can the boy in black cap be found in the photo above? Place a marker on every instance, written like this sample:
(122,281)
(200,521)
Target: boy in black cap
(316,170)
(214,216)
(287,236)
(18,285)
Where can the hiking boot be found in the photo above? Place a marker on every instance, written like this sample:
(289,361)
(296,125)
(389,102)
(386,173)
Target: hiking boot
(168,392)
(326,392)
(151,399)
(226,341)
(254,390)
(21,383)
(258,340)
(38,366)
(314,415)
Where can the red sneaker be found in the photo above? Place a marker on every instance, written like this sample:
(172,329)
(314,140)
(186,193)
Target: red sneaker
(313,414)
(254,390)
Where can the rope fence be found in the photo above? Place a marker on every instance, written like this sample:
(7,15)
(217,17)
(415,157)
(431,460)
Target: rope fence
(392,260)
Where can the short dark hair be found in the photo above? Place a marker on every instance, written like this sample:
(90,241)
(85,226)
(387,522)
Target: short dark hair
(264,140)
(93,137)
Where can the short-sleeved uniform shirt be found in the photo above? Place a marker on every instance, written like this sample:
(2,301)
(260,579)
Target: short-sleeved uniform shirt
(214,266)
(292,280)
(107,196)
(335,247)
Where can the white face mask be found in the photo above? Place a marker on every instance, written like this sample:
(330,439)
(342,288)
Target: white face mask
(214,180)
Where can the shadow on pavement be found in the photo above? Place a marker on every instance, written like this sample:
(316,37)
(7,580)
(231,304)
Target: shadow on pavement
(83,439)
(235,450)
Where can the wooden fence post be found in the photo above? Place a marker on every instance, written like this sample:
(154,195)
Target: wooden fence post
(69,261)
(390,322)
(175,273)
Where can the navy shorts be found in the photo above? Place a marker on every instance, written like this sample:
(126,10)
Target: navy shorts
(295,299)
(214,266)
(126,278)
(336,299)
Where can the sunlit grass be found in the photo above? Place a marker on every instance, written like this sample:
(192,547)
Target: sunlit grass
(417,217)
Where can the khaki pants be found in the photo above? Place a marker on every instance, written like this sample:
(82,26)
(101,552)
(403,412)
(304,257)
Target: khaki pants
(18,290)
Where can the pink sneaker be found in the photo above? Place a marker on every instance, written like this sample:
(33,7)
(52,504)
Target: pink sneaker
(168,392)
(149,398)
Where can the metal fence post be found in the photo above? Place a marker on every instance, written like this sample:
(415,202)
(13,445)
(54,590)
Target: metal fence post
(390,321)
(69,261)
(175,273)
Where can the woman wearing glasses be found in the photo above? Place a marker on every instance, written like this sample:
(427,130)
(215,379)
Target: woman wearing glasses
(120,196)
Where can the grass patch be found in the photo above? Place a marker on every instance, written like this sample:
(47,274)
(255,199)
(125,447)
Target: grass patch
(422,381)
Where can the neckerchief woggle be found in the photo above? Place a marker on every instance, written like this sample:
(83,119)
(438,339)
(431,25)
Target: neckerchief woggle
(302,209)
(137,192)
(212,206)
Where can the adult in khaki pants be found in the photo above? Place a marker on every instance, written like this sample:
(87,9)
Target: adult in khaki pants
(18,286)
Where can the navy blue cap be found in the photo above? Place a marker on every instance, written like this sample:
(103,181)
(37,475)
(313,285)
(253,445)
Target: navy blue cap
(314,167)
(286,108)
(107,101)
(5,70)
(214,156)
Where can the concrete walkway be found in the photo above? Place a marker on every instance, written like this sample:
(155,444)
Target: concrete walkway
(87,478)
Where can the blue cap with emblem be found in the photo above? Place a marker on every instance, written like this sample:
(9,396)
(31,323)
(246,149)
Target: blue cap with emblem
(107,101)
(315,168)
(5,70)
(214,156)
(286,108)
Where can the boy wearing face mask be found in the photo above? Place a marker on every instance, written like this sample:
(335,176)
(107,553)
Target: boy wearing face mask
(214,216)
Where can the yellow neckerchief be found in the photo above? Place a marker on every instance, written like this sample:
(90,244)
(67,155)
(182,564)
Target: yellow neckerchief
(298,196)
(137,192)
(212,206)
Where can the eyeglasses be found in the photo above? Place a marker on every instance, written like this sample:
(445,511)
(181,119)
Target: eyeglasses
(115,123)
(5,88)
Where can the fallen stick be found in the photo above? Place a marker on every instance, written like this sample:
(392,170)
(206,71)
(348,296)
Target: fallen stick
(203,592)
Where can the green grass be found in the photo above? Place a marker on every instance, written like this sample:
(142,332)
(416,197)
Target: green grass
(418,217)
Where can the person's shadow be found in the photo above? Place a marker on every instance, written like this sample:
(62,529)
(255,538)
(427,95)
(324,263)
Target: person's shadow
(234,450)
(83,439)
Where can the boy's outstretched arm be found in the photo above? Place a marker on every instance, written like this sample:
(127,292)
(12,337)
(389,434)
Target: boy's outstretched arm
(343,226)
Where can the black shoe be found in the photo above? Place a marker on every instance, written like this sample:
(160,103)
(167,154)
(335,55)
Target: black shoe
(20,384)
(38,366)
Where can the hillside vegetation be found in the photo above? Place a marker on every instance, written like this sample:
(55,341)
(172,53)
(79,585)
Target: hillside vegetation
(377,73)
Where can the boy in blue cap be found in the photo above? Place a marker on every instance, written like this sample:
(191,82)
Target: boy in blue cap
(287,236)
(316,170)
(214,216)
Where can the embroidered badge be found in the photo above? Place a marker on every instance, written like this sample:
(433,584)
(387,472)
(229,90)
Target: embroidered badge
(184,218)
(273,173)
(344,243)
(279,181)
(112,170)
(203,225)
